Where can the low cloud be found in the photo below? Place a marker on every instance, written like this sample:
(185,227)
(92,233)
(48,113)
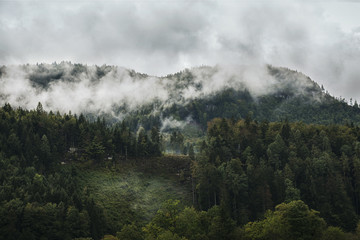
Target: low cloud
(171,123)
(161,37)
(84,92)
(116,91)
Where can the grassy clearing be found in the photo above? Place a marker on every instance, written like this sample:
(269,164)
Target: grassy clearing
(130,194)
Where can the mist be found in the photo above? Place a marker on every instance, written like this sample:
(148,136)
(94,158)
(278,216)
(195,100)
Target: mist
(117,91)
(84,92)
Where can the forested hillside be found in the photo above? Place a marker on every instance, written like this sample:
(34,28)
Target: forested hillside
(179,120)
(41,195)
(192,96)
(253,166)
(64,177)
(262,154)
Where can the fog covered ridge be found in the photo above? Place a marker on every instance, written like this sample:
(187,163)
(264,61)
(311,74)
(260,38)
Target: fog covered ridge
(115,90)
(76,87)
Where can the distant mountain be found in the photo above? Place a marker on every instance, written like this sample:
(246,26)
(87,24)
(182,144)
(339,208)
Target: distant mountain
(290,95)
(190,97)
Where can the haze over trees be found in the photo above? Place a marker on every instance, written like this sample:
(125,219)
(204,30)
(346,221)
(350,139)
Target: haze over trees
(194,95)
(226,164)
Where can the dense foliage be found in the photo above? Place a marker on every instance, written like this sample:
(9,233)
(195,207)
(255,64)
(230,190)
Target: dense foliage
(39,197)
(248,167)
(249,180)
(293,96)
(195,96)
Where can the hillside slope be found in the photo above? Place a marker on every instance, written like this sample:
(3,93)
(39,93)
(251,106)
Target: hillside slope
(193,96)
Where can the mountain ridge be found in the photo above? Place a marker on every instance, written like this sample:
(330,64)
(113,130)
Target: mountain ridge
(197,95)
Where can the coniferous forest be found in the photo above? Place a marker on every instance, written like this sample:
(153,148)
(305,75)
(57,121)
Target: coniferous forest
(179,120)
(244,180)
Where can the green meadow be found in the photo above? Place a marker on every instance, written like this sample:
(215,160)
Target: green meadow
(134,194)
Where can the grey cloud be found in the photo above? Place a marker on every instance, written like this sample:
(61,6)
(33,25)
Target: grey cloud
(160,37)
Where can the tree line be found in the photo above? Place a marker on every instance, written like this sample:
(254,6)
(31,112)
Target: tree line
(249,167)
(39,197)
(250,180)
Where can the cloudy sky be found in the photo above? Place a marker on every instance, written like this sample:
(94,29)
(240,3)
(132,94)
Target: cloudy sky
(318,38)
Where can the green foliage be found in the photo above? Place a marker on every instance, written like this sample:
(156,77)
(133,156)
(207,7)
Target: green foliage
(289,221)
(95,150)
(291,193)
(243,169)
(77,222)
(249,167)
(109,237)
(173,222)
(191,152)
(335,233)
(129,196)
(166,216)
(189,224)
(168,235)
(177,141)
(293,96)
(130,232)
(51,206)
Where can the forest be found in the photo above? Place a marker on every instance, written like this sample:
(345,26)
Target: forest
(244,180)
(194,96)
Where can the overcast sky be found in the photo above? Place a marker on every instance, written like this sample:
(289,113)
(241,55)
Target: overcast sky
(318,38)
